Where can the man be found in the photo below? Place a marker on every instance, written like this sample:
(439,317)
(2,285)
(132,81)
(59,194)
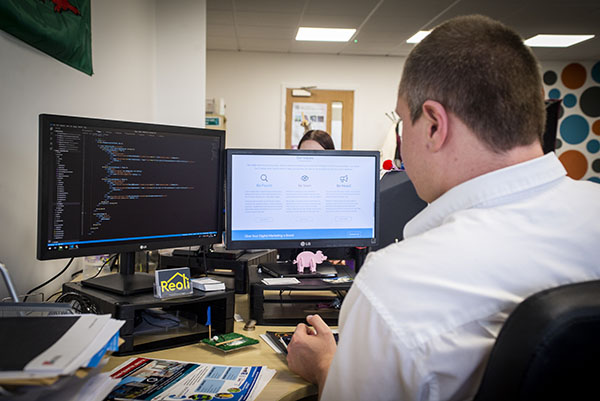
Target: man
(503,222)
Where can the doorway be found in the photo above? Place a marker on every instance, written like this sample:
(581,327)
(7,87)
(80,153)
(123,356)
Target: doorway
(328,110)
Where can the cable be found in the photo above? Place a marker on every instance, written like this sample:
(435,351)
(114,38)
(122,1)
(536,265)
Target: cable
(204,250)
(114,259)
(52,279)
(79,302)
(56,293)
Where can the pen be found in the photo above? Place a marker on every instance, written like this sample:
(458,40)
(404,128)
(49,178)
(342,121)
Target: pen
(227,341)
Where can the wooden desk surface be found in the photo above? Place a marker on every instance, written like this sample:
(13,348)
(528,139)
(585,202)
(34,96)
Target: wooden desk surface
(285,385)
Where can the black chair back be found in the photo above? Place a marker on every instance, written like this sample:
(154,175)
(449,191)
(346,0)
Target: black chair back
(548,348)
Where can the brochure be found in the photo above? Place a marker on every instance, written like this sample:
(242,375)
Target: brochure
(159,379)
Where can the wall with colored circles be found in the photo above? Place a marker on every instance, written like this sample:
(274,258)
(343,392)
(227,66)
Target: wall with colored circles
(578,133)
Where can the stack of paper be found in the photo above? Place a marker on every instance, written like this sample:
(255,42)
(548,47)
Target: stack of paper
(49,350)
(280,281)
(207,284)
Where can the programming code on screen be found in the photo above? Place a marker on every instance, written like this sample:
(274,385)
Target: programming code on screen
(129,185)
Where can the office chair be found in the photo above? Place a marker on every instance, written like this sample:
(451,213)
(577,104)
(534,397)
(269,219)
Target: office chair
(548,349)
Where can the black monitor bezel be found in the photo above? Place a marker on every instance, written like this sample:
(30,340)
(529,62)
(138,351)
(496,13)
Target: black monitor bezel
(43,253)
(302,244)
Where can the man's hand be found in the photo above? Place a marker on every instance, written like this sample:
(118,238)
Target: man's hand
(311,350)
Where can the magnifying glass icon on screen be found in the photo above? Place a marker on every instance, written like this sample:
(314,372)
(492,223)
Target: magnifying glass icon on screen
(263,177)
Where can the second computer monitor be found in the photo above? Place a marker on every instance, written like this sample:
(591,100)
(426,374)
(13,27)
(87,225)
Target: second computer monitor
(301,199)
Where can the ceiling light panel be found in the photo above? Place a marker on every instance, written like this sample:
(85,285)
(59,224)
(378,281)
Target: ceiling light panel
(417,37)
(324,34)
(556,40)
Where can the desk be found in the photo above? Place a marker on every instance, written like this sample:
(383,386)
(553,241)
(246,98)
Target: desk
(284,386)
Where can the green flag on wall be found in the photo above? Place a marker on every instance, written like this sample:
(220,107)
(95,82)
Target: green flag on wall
(60,28)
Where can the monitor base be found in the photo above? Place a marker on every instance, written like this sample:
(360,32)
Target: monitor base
(123,284)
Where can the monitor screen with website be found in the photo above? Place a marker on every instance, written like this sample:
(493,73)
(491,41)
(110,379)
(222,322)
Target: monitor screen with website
(118,187)
(301,199)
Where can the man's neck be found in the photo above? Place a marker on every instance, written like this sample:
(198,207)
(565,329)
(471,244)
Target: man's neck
(480,160)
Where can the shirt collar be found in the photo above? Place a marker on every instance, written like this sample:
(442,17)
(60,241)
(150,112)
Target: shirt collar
(485,189)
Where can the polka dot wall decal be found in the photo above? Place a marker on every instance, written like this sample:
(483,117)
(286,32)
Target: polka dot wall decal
(593,146)
(596,127)
(558,144)
(554,94)
(594,179)
(574,129)
(596,72)
(570,100)
(573,76)
(561,111)
(596,165)
(550,77)
(589,101)
(575,163)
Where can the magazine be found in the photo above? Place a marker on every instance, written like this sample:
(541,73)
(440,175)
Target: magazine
(159,379)
(279,340)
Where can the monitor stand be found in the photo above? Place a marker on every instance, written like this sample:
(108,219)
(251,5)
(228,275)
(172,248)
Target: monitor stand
(290,268)
(126,282)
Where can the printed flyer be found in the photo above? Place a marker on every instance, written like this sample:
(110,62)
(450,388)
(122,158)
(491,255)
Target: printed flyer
(162,380)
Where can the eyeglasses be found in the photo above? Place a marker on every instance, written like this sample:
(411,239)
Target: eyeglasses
(398,155)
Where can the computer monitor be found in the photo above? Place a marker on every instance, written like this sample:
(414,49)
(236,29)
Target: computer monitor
(301,199)
(119,187)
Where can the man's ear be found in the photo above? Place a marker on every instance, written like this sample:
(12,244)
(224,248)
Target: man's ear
(436,119)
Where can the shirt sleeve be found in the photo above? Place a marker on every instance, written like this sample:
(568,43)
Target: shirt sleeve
(370,362)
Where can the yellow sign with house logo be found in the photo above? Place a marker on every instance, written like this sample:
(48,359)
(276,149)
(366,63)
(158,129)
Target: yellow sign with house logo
(172,282)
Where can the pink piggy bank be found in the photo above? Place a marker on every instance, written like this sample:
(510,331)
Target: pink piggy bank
(309,259)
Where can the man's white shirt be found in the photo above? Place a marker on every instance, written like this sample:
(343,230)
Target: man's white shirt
(422,315)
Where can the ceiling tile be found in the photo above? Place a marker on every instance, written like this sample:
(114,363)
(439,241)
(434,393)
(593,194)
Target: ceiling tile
(269,45)
(220,43)
(266,32)
(270,6)
(384,31)
(220,30)
(219,18)
(267,19)
(323,21)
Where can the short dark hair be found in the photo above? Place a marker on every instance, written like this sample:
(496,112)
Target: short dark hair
(321,137)
(480,70)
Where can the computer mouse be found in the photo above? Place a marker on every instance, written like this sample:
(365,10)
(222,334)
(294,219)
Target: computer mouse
(250,325)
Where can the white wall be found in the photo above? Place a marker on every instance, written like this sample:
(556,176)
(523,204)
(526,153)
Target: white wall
(181,62)
(251,84)
(124,86)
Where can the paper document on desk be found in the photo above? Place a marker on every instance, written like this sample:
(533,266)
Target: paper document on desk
(207,284)
(280,281)
(95,386)
(66,343)
(159,379)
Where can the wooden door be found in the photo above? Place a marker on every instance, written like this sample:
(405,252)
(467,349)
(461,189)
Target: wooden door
(321,108)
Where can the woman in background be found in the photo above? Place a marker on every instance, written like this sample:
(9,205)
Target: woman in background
(316,140)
